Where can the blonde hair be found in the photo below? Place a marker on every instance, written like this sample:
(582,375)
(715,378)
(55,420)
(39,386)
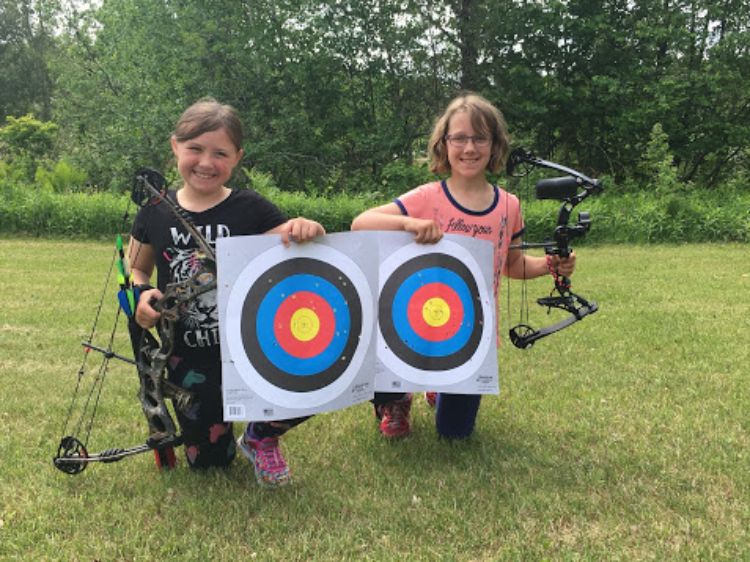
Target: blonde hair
(207,115)
(486,119)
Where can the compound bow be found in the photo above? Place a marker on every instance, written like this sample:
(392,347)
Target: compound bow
(571,190)
(151,354)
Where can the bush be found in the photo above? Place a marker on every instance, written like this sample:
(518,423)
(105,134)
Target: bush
(25,210)
(398,177)
(648,218)
(657,165)
(616,217)
(61,178)
(334,211)
(26,143)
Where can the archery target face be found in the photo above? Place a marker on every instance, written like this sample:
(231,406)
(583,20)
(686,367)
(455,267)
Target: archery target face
(434,314)
(304,326)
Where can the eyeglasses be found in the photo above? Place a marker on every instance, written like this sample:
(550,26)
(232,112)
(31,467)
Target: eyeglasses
(463,140)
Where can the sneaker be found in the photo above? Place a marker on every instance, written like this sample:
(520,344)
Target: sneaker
(394,417)
(271,470)
(431,398)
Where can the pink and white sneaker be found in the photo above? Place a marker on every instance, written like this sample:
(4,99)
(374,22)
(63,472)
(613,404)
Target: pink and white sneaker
(271,470)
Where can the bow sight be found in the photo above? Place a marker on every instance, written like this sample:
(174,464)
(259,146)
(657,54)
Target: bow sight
(571,189)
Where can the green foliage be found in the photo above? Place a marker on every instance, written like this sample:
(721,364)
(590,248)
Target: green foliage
(26,143)
(619,216)
(399,177)
(657,165)
(323,107)
(61,178)
(75,215)
(262,182)
(335,211)
(12,175)
(679,218)
(739,181)
(27,135)
(28,30)
(333,93)
(691,216)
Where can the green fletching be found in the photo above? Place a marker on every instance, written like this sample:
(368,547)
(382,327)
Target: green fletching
(122,277)
(131,300)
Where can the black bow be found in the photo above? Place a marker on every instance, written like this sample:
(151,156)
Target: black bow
(571,190)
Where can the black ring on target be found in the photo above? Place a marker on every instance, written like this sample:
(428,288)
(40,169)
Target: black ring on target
(347,339)
(386,314)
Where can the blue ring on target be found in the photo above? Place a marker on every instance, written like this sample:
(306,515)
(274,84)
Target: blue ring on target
(265,353)
(399,312)
(400,337)
(265,325)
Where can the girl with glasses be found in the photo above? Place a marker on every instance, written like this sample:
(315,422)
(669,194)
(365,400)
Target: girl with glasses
(467,141)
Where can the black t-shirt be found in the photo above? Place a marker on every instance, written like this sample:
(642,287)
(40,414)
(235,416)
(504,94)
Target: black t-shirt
(242,213)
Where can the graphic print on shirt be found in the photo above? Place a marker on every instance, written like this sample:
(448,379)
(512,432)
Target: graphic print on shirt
(460,226)
(209,233)
(200,318)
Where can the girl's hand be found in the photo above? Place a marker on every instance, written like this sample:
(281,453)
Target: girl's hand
(563,266)
(426,231)
(145,315)
(299,230)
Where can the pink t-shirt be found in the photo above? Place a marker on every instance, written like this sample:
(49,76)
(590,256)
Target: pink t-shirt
(500,223)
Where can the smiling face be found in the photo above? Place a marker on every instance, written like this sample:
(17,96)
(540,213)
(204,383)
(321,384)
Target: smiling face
(470,160)
(485,119)
(206,161)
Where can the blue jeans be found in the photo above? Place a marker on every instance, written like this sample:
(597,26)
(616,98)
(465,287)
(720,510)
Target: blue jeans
(456,414)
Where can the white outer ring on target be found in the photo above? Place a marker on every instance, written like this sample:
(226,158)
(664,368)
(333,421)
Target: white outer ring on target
(461,372)
(242,285)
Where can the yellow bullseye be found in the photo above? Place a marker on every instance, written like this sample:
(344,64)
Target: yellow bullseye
(305,324)
(436,312)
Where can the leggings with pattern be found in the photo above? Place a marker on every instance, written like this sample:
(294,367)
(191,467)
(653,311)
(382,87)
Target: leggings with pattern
(209,440)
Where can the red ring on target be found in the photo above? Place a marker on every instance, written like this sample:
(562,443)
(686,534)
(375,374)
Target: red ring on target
(435,312)
(304,324)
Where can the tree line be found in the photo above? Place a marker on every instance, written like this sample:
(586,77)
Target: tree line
(341,94)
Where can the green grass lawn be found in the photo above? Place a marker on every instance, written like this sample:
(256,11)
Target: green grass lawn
(624,437)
